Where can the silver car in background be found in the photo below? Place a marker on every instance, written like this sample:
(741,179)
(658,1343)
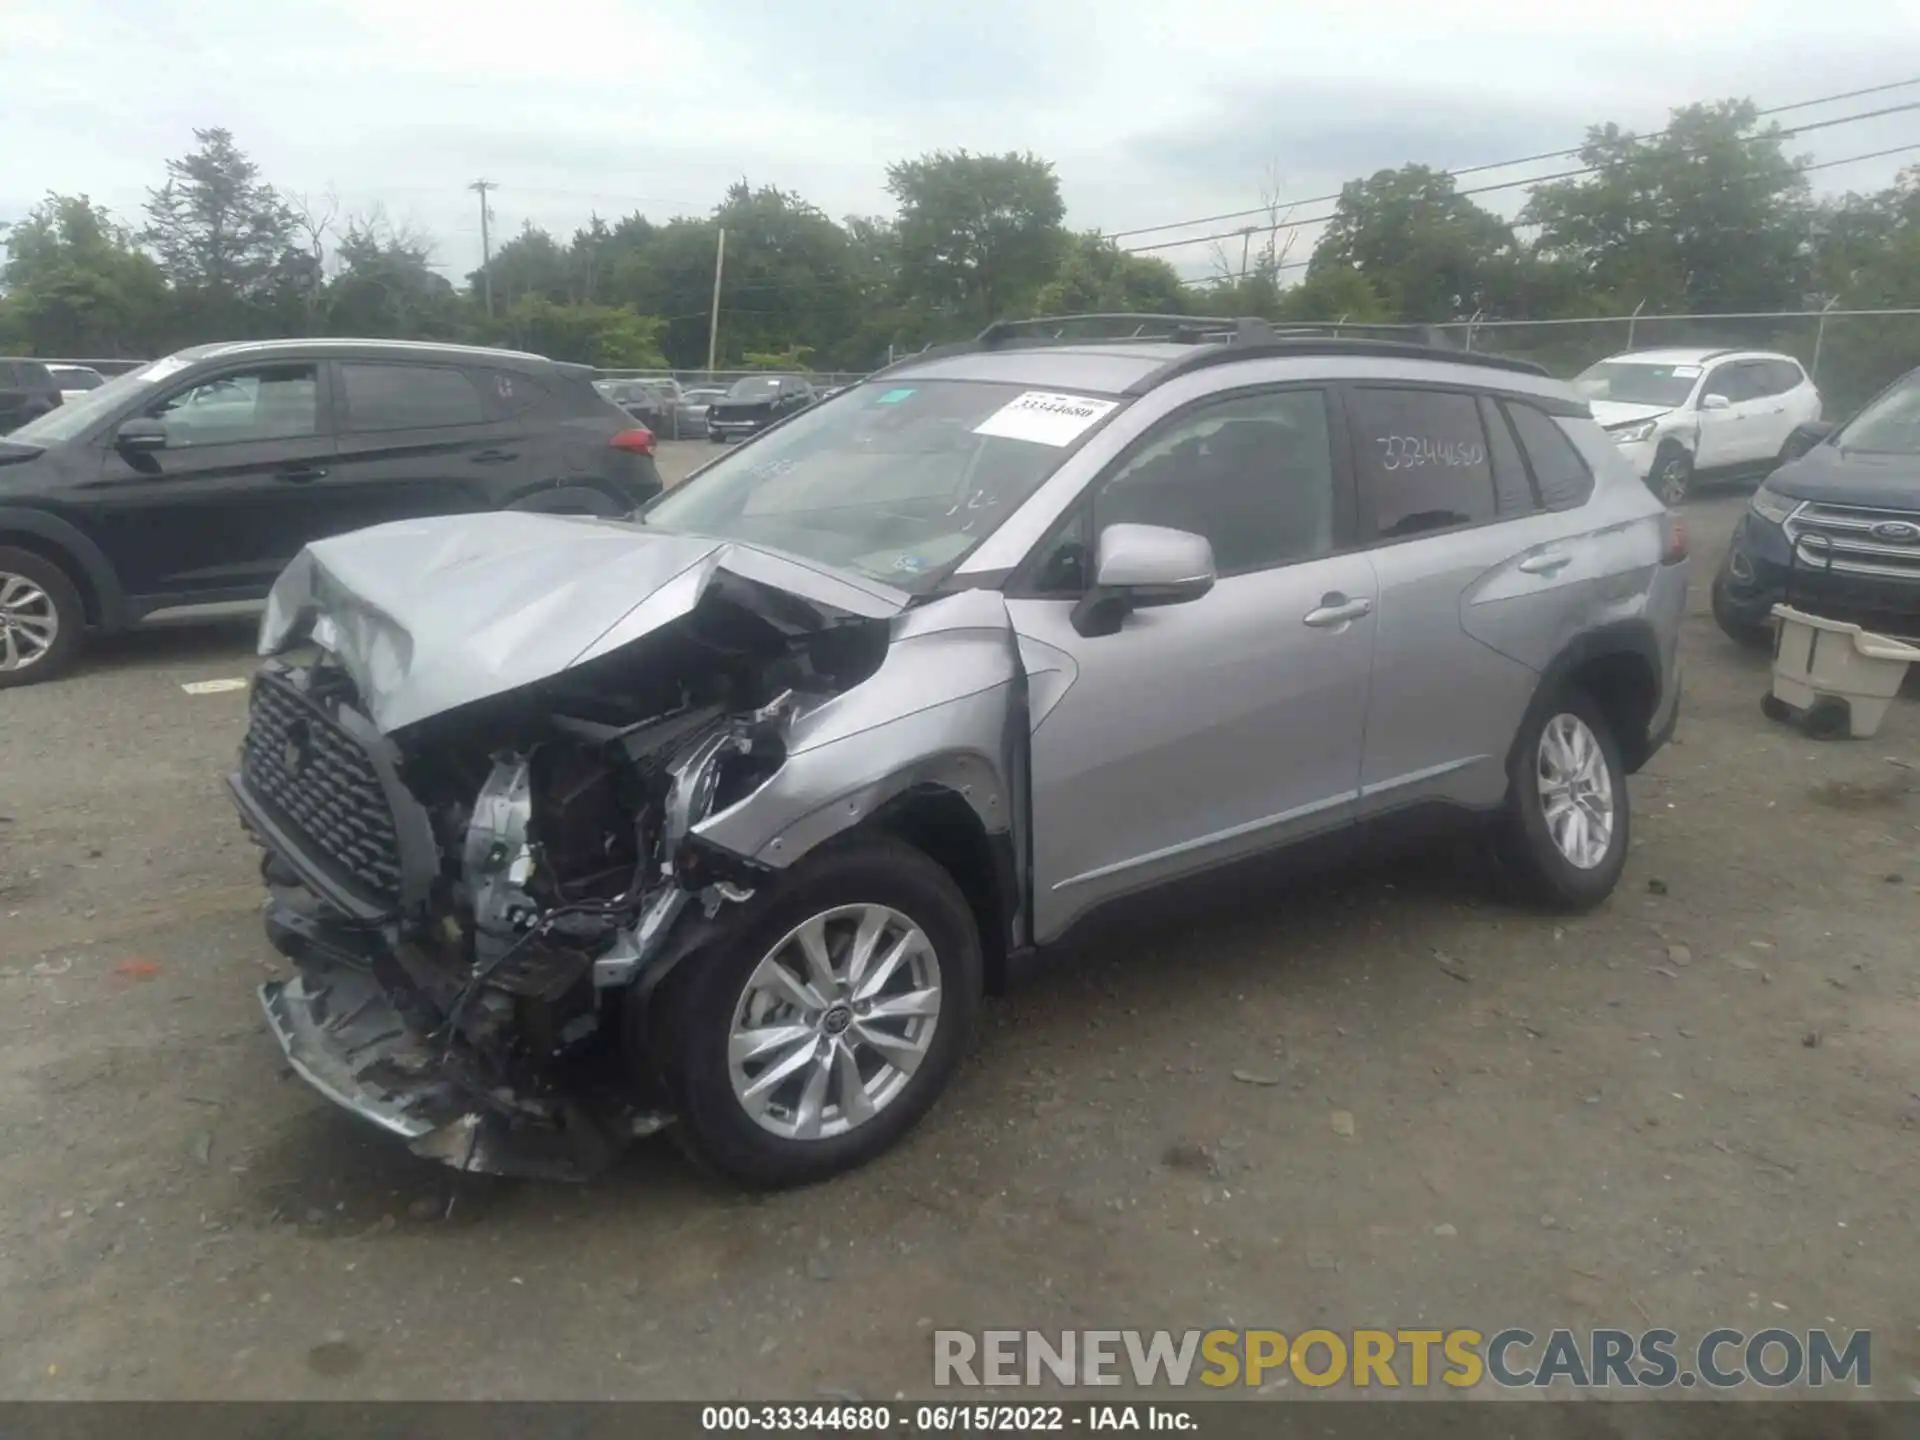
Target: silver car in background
(725,818)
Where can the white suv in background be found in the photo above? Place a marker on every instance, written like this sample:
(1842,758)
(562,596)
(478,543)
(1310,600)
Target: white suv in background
(1676,414)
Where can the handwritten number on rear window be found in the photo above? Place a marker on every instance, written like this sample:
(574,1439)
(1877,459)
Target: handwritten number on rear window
(1408,452)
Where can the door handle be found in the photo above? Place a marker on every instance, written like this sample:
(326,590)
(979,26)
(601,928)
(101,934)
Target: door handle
(299,474)
(1336,609)
(493,457)
(1546,563)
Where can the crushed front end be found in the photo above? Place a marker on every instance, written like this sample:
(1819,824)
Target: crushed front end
(470,896)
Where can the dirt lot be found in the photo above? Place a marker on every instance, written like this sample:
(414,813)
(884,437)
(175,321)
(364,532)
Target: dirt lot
(1696,1107)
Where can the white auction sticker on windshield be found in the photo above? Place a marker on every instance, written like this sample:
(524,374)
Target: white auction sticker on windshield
(161,369)
(1044,418)
(1686,372)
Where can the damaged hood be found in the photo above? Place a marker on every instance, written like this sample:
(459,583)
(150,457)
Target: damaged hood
(428,615)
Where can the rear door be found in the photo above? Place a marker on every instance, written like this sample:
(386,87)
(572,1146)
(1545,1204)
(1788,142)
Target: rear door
(1474,585)
(218,512)
(416,438)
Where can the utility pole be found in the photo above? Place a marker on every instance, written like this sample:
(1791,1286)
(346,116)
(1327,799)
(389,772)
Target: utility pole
(713,324)
(486,244)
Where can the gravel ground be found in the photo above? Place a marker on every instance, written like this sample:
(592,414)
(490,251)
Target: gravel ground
(1695,1107)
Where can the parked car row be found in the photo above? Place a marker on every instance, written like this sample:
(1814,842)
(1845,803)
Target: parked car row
(193,481)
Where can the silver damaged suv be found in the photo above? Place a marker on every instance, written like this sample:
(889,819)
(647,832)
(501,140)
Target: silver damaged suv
(725,816)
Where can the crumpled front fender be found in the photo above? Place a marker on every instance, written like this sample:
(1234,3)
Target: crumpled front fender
(946,709)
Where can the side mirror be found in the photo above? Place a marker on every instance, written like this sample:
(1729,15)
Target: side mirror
(1138,566)
(1803,438)
(141,435)
(1714,402)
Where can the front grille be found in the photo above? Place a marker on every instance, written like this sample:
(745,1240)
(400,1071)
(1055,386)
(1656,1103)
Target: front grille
(1841,538)
(320,784)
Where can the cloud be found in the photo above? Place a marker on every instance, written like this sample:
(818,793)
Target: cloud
(1152,111)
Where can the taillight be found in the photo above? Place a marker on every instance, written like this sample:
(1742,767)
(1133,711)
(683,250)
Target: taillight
(637,441)
(1676,550)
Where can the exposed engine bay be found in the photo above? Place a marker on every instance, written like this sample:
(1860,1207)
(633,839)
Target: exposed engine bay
(478,902)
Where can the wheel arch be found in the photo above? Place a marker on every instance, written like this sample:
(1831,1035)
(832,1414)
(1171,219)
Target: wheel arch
(60,543)
(1619,667)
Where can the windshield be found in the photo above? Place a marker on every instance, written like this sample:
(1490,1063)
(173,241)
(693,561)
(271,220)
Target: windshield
(77,416)
(754,387)
(1890,425)
(1633,383)
(897,482)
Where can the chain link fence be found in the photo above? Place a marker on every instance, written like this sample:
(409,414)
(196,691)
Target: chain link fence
(1850,354)
(823,379)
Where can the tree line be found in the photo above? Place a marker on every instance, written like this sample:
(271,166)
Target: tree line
(1711,214)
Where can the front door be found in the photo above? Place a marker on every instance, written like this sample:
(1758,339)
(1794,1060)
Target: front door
(218,512)
(1738,433)
(1230,724)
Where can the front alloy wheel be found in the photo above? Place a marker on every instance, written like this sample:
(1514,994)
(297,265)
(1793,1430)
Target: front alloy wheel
(822,1017)
(834,1022)
(1672,477)
(29,622)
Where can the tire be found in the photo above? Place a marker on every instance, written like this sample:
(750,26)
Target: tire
(712,992)
(39,607)
(1671,476)
(1532,859)
(1742,632)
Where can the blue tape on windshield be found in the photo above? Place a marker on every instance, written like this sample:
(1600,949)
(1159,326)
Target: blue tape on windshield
(894,397)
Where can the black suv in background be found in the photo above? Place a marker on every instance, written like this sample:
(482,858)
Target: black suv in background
(27,391)
(753,403)
(191,482)
(1836,529)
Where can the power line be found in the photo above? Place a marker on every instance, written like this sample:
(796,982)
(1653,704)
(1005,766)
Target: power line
(1527,183)
(1502,164)
(1302,264)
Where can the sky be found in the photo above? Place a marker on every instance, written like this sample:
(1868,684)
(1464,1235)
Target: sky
(1152,111)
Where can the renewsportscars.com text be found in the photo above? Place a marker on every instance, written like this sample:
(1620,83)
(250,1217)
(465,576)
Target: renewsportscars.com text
(1414,1359)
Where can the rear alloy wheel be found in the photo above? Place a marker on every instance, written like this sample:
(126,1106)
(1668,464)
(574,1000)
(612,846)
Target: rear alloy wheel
(1672,477)
(41,619)
(1563,835)
(816,1032)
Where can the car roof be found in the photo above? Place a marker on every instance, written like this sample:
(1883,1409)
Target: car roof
(1692,355)
(1120,368)
(367,349)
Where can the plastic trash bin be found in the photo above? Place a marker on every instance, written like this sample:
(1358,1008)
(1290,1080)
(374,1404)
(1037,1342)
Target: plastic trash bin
(1817,660)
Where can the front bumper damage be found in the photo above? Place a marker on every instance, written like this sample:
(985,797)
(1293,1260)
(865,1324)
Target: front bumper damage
(381,1016)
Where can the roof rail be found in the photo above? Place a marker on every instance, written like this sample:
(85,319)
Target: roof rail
(1286,345)
(1104,327)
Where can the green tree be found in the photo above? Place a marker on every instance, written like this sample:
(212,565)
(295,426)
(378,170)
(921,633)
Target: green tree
(387,286)
(978,234)
(1428,252)
(1096,276)
(78,286)
(531,263)
(215,225)
(601,335)
(1708,215)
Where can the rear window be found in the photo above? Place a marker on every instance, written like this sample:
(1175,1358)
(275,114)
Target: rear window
(408,397)
(755,387)
(1421,458)
(70,377)
(1563,477)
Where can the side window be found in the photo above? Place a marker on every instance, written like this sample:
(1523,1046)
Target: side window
(1252,473)
(1563,477)
(1782,376)
(1512,490)
(408,397)
(509,394)
(1421,459)
(1738,381)
(268,402)
(7,376)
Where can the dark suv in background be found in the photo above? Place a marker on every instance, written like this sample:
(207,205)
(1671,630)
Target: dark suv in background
(191,482)
(1835,530)
(27,391)
(753,403)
